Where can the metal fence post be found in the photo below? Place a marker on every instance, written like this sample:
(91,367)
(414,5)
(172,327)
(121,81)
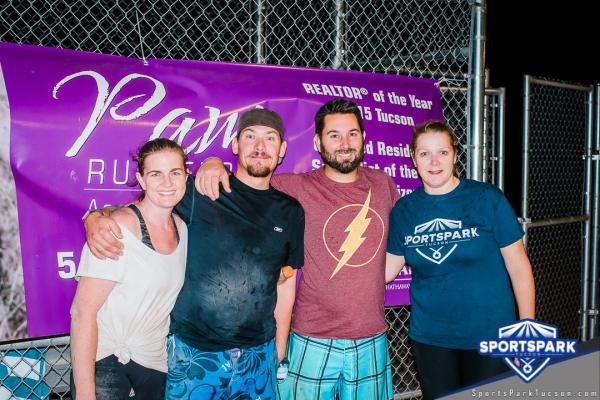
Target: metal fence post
(586,243)
(593,276)
(525,168)
(500,132)
(476,83)
(260,32)
(339,34)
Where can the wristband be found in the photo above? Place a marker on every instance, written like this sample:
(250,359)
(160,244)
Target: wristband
(282,369)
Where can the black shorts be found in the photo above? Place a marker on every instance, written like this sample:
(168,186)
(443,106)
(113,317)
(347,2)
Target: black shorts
(442,370)
(114,381)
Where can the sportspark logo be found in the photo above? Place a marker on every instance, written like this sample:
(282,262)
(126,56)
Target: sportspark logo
(527,347)
(439,238)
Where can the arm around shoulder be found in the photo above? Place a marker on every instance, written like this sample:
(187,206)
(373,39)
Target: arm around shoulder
(102,234)
(209,175)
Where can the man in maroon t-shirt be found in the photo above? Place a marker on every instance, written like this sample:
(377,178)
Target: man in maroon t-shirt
(338,344)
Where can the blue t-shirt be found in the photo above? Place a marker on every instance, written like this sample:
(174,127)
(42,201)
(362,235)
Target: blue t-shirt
(460,292)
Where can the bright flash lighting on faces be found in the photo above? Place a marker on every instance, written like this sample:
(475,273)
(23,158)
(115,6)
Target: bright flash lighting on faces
(259,149)
(164,178)
(434,159)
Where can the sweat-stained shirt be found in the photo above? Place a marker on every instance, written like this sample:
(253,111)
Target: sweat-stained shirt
(237,246)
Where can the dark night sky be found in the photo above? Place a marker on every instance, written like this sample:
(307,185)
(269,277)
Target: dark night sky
(543,39)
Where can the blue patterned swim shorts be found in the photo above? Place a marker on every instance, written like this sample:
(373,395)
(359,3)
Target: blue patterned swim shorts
(231,374)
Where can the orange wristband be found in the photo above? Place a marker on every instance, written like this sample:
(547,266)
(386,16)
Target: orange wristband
(287,271)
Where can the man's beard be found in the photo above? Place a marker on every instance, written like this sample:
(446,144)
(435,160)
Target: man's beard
(258,170)
(346,166)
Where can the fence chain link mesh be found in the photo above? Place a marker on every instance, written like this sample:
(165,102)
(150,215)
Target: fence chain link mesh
(555,254)
(557,145)
(35,369)
(409,37)
(556,188)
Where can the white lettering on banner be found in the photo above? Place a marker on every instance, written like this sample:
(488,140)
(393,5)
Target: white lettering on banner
(93,205)
(390,118)
(214,114)
(403,192)
(408,172)
(322,89)
(417,103)
(99,172)
(402,150)
(125,175)
(205,140)
(184,127)
(97,168)
(66,265)
(104,99)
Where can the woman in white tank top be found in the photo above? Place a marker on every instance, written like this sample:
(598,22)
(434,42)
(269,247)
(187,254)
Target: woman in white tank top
(120,314)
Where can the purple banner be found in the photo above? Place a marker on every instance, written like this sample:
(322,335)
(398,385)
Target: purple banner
(76,118)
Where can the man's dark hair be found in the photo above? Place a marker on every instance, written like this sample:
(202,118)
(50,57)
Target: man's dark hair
(337,106)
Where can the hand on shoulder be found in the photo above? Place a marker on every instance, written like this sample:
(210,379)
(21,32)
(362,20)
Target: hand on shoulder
(125,217)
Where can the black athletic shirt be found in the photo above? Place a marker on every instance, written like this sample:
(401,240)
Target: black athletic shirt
(236,248)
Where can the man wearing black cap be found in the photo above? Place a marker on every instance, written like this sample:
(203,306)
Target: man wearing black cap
(233,304)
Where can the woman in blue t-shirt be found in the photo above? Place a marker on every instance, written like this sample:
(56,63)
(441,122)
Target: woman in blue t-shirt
(463,243)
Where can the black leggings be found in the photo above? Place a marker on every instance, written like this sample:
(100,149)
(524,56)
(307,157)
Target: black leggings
(114,381)
(441,370)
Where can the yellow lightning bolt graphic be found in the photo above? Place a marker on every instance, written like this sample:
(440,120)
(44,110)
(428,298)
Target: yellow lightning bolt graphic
(355,238)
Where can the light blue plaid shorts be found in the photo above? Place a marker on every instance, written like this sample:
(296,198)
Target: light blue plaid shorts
(323,368)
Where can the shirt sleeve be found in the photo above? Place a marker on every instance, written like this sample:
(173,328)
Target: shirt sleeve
(296,254)
(93,267)
(287,183)
(395,242)
(507,228)
(186,206)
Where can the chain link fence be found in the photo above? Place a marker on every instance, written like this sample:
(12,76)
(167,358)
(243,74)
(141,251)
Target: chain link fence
(409,37)
(36,369)
(556,119)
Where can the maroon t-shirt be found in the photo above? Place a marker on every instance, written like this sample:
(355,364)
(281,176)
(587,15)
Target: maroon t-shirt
(342,287)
